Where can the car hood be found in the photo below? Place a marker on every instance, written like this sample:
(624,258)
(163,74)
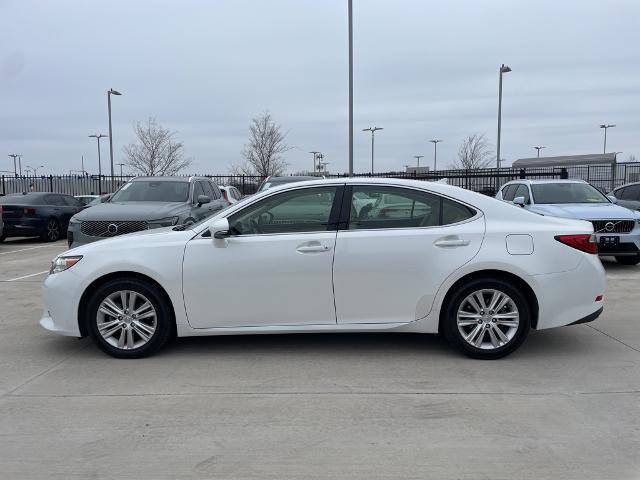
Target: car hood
(585,211)
(130,211)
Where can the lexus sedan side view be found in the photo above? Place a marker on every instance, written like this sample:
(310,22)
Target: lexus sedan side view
(145,203)
(617,228)
(37,214)
(300,258)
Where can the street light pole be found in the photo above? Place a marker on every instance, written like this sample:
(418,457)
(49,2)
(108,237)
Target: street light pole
(109,93)
(605,126)
(35,169)
(503,69)
(435,153)
(20,164)
(314,161)
(15,170)
(418,157)
(373,134)
(98,136)
(538,149)
(350,15)
(121,165)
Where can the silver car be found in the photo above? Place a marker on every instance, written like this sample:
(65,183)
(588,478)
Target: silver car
(144,203)
(617,228)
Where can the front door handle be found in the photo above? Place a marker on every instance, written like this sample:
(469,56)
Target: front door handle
(451,242)
(315,248)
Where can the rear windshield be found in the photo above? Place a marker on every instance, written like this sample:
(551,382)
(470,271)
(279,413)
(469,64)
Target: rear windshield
(152,191)
(566,193)
(29,199)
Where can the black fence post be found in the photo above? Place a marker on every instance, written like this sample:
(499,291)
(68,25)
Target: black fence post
(51,183)
(523,173)
(4,190)
(564,174)
(244,188)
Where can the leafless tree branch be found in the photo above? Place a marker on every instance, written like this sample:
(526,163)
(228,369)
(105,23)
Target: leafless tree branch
(474,152)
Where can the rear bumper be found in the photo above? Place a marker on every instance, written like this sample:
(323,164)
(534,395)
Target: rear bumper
(23,227)
(589,318)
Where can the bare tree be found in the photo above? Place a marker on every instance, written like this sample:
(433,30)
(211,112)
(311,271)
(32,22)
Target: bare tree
(156,152)
(474,152)
(263,153)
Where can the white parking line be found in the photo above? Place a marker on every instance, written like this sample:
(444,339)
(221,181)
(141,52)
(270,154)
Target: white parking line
(26,276)
(30,248)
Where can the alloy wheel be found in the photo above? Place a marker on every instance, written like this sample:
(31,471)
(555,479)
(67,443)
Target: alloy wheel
(53,230)
(126,319)
(488,319)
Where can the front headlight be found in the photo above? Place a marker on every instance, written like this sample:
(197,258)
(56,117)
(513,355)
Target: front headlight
(163,222)
(60,264)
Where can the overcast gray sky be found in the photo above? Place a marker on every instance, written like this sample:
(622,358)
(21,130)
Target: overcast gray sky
(423,69)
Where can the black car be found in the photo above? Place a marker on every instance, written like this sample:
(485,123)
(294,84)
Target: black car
(36,214)
(628,195)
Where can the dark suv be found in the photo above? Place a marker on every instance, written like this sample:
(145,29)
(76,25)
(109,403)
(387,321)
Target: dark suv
(144,203)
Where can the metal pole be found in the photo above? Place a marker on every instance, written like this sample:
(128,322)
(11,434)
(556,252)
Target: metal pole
(499,117)
(350,7)
(373,136)
(315,154)
(435,156)
(110,132)
(99,163)
(604,150)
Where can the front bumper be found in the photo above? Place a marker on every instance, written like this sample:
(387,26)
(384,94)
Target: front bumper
(60,296)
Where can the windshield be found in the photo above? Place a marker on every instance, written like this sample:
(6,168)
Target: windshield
(152,191)
(566,193)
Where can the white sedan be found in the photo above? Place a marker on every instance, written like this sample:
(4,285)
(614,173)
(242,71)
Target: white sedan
(300,258)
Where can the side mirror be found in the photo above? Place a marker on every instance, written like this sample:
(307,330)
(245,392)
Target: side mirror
(220,229)
(105,198)
(612,199)
(519,201)
(202,199)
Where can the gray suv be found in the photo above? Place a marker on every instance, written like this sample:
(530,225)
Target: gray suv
(144,203)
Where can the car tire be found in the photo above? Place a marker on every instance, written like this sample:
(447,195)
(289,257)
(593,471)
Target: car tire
(123,333)
(482,332)
(51,231)
(628,260)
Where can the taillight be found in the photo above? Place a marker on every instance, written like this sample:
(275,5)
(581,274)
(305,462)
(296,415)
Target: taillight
(224,194)
(29,211)
(583,242)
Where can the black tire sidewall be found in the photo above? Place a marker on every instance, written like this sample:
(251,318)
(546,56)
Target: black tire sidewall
(154,295)
(628,260)
(450,326)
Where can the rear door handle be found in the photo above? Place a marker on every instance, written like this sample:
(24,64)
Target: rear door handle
(451,242)
(312,248)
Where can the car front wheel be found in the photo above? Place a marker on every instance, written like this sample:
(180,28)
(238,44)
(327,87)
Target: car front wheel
(129,318)
(486,319)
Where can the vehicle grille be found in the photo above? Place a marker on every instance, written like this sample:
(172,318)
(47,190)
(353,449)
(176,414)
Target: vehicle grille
(112,228)
(613,226)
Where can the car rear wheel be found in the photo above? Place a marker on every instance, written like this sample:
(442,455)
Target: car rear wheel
(486,319)
(129,318)
(51,230)
(628,260)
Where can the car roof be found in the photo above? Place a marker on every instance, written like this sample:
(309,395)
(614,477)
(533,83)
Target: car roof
(167,179)
(541,182)
(627,185)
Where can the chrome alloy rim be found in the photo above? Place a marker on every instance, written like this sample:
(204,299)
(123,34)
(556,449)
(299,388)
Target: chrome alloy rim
(126,319)
(488,319)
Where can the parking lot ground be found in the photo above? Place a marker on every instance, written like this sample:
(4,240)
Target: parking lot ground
(566,405)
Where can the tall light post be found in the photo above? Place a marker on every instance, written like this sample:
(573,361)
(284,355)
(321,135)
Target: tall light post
(418,157)
(121,165)
(35,169)
(606,127)
(98,136)
(435,153)
(20,164)
(538,149)
(314,161)
(350,16)
(503,69)
(110,92)
(373,131)
(14,156)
